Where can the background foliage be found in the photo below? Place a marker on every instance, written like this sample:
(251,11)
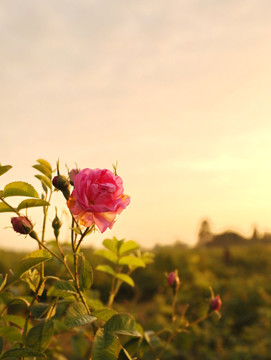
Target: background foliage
(239,274)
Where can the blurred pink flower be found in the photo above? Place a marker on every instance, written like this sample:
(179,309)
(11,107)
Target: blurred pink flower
(97,198)
(173,279)
(215,304)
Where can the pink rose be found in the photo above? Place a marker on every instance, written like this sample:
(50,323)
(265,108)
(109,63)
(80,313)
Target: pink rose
(97,198)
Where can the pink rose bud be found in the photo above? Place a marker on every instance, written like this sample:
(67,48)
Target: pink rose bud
(72,175)
(62,184)
(21,225)
(173,279)
(215,304)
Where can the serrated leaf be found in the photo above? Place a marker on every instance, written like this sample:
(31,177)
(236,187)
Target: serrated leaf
(35,258)
(16,320)
(104,314)
(3,281)
(4,169)
(62,288)
(111,244)
(5,208)
(107,254)
(122,324)
(19,188)
(85,273)
(29,203)
(23,353)
(45,163)
(44,170)
(127,247)
(77,315)
(39,336)
(106,346)
(131,261)
(10,333)
(106,268)
(126,278)
(44,180)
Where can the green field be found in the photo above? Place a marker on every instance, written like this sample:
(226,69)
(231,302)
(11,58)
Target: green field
(240,275)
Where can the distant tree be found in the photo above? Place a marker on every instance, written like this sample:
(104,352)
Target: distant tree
(205,235)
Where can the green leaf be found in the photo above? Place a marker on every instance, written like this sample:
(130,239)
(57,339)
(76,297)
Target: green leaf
(131,261)
(122,324)
(44,170)
(35,258)
(5,208)
(106,268)
(3,281)
(151,338)
(77,315)
(39,336)
(45,163)
(62,288)
(32,278)
(148,257)
(44,180)
(107,254)
(10,333)
(111,244)
(104,314)
(127,247)
(4,169)
(16,320)
(23,353)
(85,273)
(106,346)
(28,203)
(19,188)
(126,278)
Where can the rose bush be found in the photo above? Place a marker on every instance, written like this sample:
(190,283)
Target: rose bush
(97,198)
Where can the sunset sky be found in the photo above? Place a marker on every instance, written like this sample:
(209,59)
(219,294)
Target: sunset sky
(177,91)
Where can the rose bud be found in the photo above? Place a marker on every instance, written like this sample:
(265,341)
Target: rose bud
(62,184)
(215,304)
(22,225)
(56,224)
(72,175)
(173,280)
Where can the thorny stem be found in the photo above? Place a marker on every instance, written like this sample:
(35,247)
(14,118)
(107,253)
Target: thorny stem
(43,235)
(173,306)
(56,256)
(75,262)
(29,311)
(115,287)
(187,325)
(11,207)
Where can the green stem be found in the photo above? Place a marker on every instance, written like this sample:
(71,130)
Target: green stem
(12,208)
(29,311)
(43,235)
(75,262)
(56,256)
